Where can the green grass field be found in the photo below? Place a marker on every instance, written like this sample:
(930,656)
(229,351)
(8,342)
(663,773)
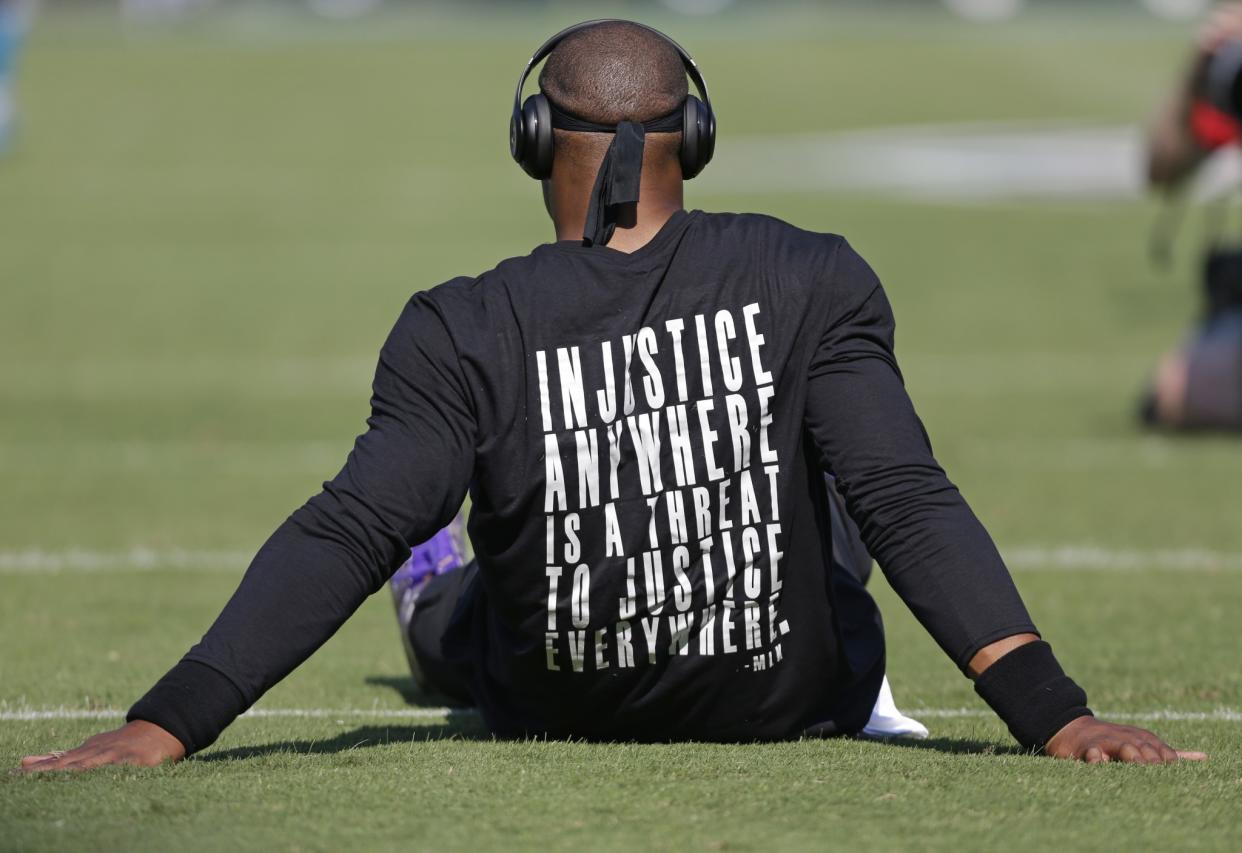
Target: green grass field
(205,236)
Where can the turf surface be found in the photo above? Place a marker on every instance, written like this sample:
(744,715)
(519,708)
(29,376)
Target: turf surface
(204,237)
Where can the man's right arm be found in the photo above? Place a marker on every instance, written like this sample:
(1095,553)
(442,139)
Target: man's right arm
(405,478)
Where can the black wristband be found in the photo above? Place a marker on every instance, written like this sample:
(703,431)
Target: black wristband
(1029,691)
(193,703)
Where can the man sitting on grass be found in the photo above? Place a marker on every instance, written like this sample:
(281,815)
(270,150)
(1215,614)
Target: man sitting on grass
(643,413)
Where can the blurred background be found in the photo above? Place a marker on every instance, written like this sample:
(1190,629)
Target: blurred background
(212,212)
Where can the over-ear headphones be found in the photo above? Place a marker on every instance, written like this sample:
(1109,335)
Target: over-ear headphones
(530,128)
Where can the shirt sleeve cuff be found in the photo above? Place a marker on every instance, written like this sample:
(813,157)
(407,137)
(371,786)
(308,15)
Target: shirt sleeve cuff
(193,702)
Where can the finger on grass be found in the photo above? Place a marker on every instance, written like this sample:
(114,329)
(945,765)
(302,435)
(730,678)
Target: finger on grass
(1167,753)
(35,759)
(90,762)
(42,766)
(48,762)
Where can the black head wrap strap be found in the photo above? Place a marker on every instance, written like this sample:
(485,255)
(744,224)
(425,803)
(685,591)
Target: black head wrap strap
(620,174)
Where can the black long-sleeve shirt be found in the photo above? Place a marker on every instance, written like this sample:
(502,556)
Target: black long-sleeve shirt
(643,437)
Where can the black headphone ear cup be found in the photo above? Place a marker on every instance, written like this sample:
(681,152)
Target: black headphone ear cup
(707,144)
(517,136)
(535,141)
(698,137)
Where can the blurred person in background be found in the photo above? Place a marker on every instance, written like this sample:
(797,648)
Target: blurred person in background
(642,413)
(13,17)
(1199,384)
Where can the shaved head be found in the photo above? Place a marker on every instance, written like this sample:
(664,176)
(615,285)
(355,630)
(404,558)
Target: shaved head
(613,72)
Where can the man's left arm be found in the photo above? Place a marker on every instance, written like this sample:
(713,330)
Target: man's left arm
(931,547)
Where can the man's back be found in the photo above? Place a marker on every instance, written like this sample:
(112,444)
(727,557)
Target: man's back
(648,509)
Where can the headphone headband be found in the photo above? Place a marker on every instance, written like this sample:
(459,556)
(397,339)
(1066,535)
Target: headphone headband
(692,68)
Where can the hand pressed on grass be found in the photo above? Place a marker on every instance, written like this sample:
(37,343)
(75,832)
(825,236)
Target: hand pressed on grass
(139,743)
(1096,741)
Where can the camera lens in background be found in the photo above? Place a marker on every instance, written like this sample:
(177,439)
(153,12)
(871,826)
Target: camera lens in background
(1224,78)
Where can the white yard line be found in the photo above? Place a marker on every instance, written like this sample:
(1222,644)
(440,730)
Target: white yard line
(266,378)
(964,162)
(1093,558)
(1220,715)
(1064,557)
(38,561)
(90,457)
(17,715)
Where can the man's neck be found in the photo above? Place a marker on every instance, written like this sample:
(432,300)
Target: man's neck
(659,199)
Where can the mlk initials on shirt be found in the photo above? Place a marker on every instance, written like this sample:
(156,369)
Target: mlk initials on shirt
(660,496)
